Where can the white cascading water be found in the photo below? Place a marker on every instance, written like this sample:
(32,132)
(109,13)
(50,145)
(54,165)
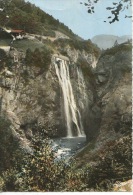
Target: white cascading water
(72,113)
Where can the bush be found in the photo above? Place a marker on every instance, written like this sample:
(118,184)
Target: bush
(41,171)
(49,33)
(1,184)
(114,164)
(38,58)
(9,180)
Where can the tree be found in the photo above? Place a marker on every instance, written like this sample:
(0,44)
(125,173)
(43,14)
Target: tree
(115,9)
(116,43)
(39,58)
(2,54)
(39,171)
(28,57)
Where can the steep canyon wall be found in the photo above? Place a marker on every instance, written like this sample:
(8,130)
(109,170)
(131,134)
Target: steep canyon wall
(56,102)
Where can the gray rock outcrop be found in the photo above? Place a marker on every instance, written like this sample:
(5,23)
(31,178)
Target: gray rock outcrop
(32,98)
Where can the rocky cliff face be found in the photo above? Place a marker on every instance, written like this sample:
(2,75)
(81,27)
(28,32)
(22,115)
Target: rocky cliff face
(108,154)
(70,95)
(114,81)
(34,100)
(69,98)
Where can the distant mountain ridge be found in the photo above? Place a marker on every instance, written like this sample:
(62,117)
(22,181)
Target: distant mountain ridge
(107,41)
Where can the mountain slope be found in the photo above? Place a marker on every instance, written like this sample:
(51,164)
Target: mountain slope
(24,15)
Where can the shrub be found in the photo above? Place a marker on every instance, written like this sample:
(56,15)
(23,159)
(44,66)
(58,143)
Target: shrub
(1,184)
(114,164)
(41,171)
(38,58)
(28,58)
(9,180)
(49,33)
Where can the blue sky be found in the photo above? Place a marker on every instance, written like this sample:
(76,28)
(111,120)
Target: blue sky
(75,16)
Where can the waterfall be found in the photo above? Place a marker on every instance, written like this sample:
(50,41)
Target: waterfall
(72,113)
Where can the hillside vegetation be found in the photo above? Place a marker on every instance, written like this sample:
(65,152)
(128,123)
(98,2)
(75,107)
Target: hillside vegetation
(119,48)
(42,28)
(24,15)
(31,106)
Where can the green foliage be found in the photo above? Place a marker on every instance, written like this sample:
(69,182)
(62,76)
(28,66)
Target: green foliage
(114,164)
(116,8)
(1,184)
(49,33)
(119,48)
(5,42)
(64,53)
(87,46)
(24,15)
(28,57)
(38,58)
(9,180)
(25,44)
(76,181)
(41,171)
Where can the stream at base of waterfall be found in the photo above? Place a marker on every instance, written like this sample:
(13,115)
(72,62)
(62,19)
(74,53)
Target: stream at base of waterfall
(67,147)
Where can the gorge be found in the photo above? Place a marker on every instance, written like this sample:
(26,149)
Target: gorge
(56,86)
(69,98)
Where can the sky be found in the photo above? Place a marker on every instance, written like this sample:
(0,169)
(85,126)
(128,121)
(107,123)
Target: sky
(75,16)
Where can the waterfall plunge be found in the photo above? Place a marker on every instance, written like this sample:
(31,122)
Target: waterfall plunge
(72,113)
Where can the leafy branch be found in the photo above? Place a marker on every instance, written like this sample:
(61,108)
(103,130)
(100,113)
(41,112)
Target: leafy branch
(115,9)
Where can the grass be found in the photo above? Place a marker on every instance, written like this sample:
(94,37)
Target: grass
(25,44)
(22,44)
(5,42)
